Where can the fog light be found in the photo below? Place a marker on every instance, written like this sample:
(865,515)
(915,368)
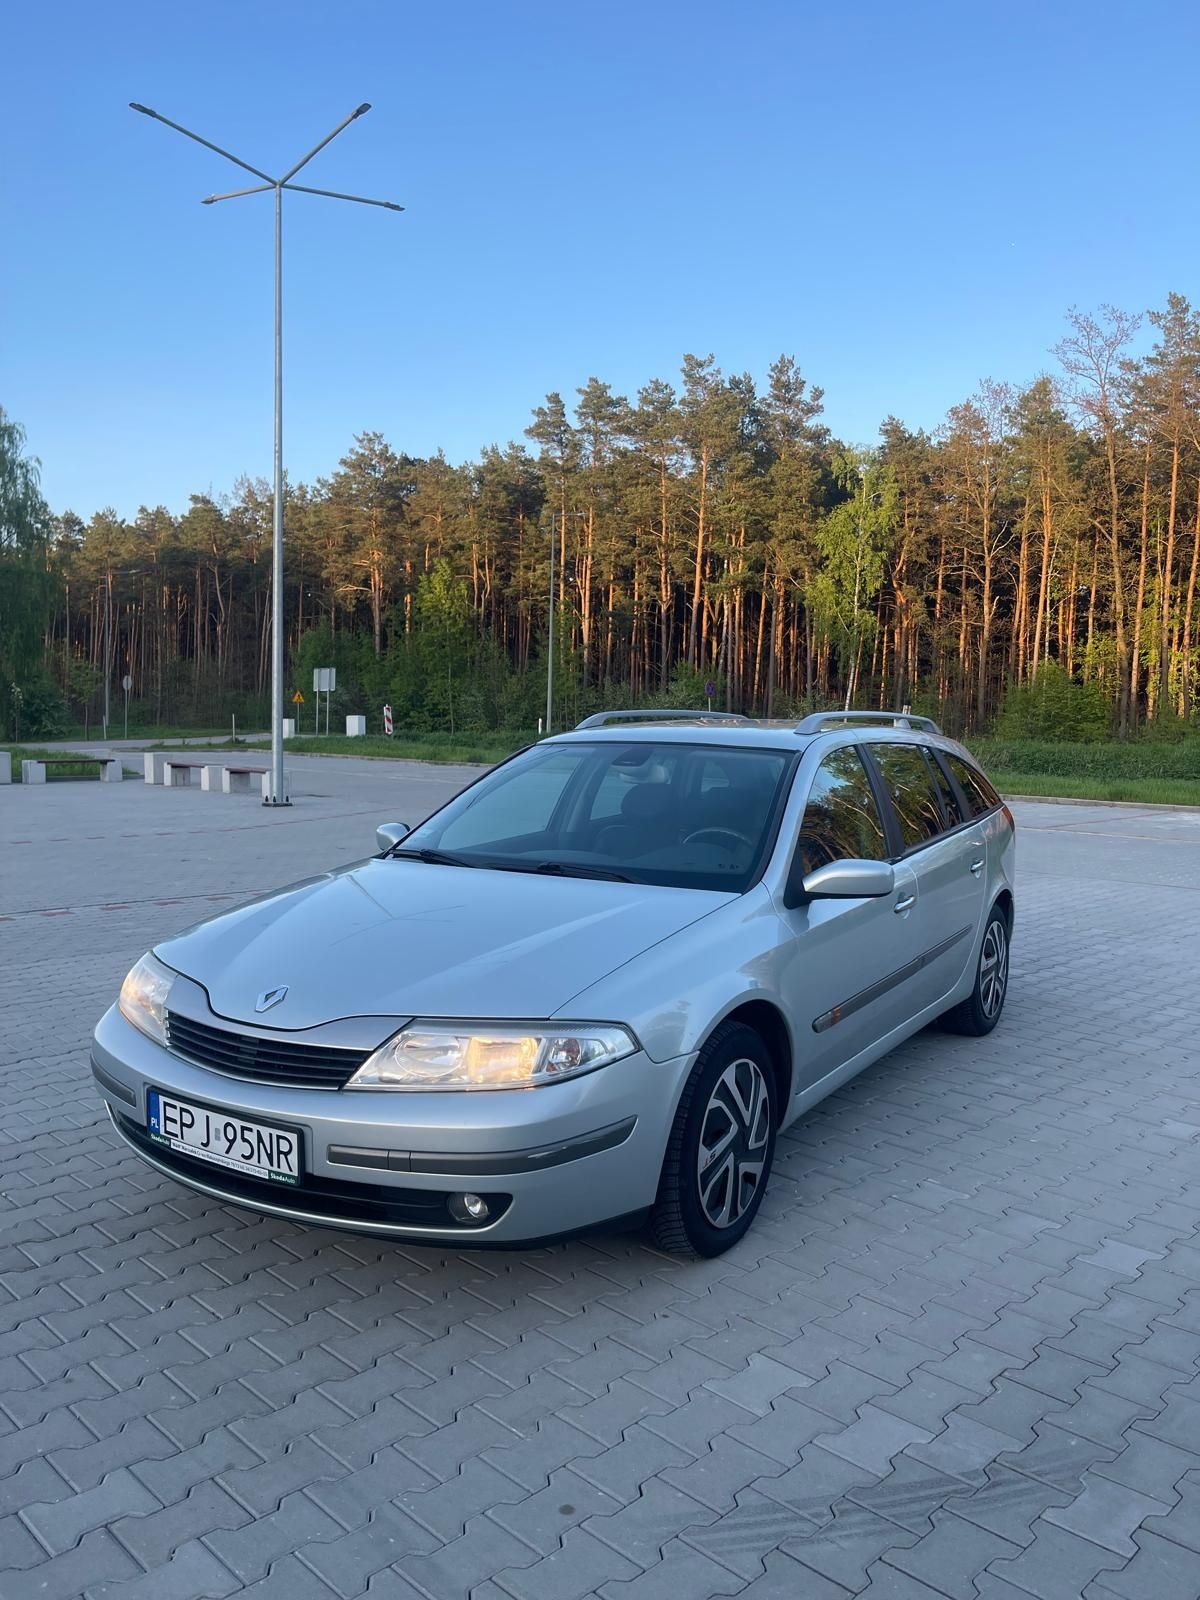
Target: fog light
(468,1207)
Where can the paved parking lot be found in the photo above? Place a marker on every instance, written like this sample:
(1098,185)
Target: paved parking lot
(956,1357)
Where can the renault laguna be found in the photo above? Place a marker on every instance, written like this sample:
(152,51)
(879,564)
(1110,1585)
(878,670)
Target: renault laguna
(592,988)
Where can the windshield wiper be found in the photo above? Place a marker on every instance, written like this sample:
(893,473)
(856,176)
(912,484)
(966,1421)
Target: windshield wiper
(575,869)
(434,858)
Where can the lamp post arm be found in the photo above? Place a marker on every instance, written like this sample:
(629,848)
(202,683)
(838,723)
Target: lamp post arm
(333,194)
(236,194)
(207,143)
(328,139)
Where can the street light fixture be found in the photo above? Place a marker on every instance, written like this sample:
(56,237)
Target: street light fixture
(277,795)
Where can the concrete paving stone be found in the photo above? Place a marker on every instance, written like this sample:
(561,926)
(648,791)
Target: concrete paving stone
(289,1579)
(33,1483)
(952,1555)
(154,1537)
(1008,1503)
(530,1459)
(190,1572)
(843,1548)
(811,1488)
(97,1558)
(1161,1570)
(643,1528)
(250,1545)
(542,1519)
(1107,1513)
(784,1432)
(176,1472)
(718,1477)
(885,1582)
(622,1470)
(910,1494)
(60,1524)
(456,1569)
(783,1578)
(1056,1564)
(261,1487)
(683,1572)
(873,1439)
(1058,1457)
(739,1538)
(1107,1418)
(348,1563)
(1152,1465)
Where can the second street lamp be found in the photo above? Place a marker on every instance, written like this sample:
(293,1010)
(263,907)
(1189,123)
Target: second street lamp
(278,795)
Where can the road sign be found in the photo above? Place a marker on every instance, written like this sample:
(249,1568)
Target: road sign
(297,698)
(387,720)
(324,679)
(710,689)
(127,683)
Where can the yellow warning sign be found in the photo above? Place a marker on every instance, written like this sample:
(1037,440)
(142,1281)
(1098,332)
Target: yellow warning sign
(297,698)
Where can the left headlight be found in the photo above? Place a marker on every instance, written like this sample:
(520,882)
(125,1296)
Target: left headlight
(473,1056)
(144,997)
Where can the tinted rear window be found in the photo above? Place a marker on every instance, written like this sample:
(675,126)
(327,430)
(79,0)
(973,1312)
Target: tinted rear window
(909,783)
(980,795)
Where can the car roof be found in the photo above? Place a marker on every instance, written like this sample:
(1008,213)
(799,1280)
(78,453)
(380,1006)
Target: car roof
(746,734)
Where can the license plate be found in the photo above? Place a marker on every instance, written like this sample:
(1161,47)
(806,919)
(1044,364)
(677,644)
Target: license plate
(255,1148)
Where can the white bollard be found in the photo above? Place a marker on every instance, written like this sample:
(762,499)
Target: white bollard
(289,727)
(33,772)
(112,771)
(5,767)
(154,761)
(210,776)
(356,727)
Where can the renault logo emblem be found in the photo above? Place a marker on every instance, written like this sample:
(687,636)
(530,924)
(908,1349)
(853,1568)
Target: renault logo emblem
(271,997)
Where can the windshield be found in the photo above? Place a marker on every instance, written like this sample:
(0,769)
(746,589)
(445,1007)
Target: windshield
(681,815)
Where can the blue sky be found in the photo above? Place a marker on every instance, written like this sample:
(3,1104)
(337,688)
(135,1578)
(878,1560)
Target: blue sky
(905,197)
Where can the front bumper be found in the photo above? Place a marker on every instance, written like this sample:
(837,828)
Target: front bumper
(550,1161)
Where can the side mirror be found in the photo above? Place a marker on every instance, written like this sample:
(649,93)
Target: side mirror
(842,880)
(389,833)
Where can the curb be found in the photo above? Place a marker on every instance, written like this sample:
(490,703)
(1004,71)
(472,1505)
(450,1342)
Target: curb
(1127,805)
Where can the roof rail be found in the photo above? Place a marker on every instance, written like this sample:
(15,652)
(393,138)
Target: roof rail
(600,718)
(820,720)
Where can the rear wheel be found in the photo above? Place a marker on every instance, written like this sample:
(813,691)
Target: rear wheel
(980,1012)
(721,1147)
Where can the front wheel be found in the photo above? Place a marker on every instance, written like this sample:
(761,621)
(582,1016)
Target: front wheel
(980,1011)
(721,1147)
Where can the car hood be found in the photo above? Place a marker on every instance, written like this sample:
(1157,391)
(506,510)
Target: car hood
(402,938)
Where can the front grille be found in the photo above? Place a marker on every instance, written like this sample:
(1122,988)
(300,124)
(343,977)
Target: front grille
(262,1060)
(318,1199)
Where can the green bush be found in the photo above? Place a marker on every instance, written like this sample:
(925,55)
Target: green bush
(1140,759)
(1054,706)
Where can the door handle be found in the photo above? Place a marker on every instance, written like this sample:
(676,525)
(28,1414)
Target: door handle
(906,904)
(977,867)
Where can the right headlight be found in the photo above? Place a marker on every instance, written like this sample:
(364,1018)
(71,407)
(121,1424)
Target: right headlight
(144,997)
(474,1056)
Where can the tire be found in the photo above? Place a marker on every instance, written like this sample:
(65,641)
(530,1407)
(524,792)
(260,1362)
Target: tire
(982,1009)
(730,1103)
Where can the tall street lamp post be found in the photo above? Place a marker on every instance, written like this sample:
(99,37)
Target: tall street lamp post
(278,795)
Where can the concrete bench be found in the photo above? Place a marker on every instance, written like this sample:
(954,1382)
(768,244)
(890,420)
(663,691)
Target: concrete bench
(111,770)
(177,774)
(217,775)
(5,767)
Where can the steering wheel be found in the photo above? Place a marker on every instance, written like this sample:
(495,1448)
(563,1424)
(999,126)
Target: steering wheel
(719,833)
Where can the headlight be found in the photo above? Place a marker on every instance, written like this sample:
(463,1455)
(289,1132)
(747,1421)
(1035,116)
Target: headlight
(144,997)
(471,1056)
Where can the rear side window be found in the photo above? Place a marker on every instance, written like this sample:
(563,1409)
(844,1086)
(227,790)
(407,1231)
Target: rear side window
(980,795)
(950,805)
(909,783)
(841,818)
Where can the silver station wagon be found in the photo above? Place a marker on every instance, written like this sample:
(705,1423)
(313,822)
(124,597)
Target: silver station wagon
(594,986)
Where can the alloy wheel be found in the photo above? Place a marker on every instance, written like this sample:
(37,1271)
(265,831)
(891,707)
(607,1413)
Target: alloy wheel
(993,970)
(734,1137)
